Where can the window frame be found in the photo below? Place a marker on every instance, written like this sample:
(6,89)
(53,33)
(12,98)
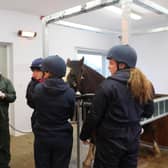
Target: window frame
(102,53)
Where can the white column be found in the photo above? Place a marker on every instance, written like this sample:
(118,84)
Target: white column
(125,21)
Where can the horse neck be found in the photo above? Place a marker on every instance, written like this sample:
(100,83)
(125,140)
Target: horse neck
(91,80)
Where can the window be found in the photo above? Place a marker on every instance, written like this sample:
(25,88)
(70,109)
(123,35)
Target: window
(95,60)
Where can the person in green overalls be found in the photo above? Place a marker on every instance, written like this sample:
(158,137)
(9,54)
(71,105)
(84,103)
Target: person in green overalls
(7,95)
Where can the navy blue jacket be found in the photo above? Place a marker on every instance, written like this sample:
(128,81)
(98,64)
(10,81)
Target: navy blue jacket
(30,89)
(115,113)
(54,102)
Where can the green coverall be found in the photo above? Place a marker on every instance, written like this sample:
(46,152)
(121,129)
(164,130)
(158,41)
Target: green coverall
(8,90)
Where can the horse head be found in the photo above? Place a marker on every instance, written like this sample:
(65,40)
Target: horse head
(82,77)
(75,72)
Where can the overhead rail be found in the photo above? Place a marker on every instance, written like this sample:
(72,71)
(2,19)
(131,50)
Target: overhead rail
(152,6)
(77,10)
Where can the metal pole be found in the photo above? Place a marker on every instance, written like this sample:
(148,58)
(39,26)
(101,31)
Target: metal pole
(78,132)
(45,38)
(125,21)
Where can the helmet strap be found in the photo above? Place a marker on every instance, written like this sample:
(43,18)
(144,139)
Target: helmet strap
(121,66)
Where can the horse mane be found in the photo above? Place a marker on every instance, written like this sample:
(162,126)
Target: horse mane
(91,70)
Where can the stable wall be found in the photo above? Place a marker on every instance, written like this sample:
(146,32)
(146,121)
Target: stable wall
(153,58)
(65,40)
(23,52)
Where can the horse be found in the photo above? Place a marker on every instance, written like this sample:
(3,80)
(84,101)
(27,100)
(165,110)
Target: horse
(84,79)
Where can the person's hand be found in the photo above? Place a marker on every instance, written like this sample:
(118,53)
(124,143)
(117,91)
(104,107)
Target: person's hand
(86,142)
(2,95)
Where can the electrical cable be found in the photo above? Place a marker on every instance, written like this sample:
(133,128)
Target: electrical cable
(20,131)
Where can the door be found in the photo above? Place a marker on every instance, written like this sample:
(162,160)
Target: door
(3,60)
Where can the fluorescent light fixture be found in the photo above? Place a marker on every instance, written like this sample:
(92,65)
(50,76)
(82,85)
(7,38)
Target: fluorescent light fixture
(154,30)
(119,12)
(26,34)
(153,5)
(84,27)
(159,29)
(79,26)
(139,9)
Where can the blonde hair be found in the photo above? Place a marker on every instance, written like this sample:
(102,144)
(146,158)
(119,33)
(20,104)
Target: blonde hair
(140,86)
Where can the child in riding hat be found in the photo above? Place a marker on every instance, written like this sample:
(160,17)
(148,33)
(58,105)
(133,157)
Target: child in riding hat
(118,106)
(54,102)
(37,76)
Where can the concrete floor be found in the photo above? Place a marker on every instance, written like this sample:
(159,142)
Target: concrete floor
(22,151)
(22,154)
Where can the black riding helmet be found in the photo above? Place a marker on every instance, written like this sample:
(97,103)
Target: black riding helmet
(36,64)
(55,65)
(123,54)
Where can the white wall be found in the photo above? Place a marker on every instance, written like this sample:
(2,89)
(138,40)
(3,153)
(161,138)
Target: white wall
(23,52)
(153,58)
(63,40)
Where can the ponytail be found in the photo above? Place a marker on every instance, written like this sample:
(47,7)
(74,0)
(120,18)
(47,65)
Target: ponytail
(140,86)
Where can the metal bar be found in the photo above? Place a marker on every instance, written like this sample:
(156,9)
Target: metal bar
(153,119)
(160,99)
(159,115)
(62,15)
(150,5)
(45,39)
(78,133)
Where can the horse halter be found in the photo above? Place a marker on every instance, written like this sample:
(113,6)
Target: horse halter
(76,79)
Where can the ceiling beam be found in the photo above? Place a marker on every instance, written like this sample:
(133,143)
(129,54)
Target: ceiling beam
(152,6)
(77,10)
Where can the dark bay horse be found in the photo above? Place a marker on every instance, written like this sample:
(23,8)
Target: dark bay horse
(83,78)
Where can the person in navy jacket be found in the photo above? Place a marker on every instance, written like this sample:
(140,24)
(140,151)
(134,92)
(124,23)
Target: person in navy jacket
(37,76)
(118,106)
(54,102)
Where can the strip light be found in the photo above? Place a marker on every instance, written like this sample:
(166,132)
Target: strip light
(85,27)
(159,29)
(119,12)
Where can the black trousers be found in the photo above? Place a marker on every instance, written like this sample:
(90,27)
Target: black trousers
(4,147)
(109,155)
(53,152)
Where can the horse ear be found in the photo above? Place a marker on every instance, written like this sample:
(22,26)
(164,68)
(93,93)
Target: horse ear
(68,61)
(82,60)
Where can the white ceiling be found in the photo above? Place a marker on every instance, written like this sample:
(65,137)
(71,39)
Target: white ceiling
(39,7)
(101,18)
